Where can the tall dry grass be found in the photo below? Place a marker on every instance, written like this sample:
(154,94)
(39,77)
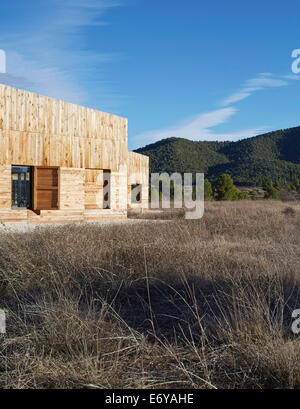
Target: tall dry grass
(183,304)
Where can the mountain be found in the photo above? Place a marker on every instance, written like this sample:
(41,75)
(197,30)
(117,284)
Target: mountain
(248,161)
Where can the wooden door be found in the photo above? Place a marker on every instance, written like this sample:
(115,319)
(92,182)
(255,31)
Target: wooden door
(46,189)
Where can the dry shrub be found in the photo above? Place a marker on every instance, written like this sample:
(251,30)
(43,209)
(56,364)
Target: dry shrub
(189,304)
(289,211)
(159,214)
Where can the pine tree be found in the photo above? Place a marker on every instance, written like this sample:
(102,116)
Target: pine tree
(225,189)
(208,192)
(270,191)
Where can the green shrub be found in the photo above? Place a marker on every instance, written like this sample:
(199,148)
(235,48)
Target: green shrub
(225,189)
(208,191)
(270,191)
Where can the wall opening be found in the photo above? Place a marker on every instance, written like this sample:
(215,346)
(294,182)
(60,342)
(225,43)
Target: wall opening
(106,189)
(136,193)
(21,187)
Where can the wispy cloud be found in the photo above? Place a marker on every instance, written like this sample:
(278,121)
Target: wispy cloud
(293,77)
(265,82)
(34,76)
(238,96)
(198,128)
(52,58)
(201,126)
(260,82)
(78,13)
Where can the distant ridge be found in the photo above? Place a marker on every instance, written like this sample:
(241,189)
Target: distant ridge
(275,154)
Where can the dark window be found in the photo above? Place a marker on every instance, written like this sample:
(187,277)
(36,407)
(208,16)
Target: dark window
(21,178)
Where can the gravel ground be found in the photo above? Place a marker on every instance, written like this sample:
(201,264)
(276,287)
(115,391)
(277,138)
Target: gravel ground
(24,227)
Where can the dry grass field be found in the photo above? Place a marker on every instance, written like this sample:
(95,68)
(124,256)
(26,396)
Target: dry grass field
(174,304)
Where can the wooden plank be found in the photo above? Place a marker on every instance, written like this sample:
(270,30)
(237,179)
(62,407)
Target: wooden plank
(5,187)
(71,188)
(39,131)
(46,190)
(138,173)
(93,189)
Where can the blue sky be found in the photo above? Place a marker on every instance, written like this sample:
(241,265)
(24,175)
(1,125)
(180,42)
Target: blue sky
(201,70)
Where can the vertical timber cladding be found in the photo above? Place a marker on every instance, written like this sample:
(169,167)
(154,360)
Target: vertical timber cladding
(68,141)
(39,131)
(71,186)
(138,174)
(93,189)
(45,188)
(5,187)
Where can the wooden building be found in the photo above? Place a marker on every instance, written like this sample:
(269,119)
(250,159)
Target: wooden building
(61,162)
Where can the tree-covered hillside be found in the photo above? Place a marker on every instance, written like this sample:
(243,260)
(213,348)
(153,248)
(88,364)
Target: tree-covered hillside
(274,155)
